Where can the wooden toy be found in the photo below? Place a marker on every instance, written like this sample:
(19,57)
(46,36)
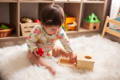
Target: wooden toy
(70,23)
(66,62)
(26,20)
(91,22)
(84,62)
(91,26)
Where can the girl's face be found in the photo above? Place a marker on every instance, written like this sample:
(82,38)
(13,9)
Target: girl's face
(52,29)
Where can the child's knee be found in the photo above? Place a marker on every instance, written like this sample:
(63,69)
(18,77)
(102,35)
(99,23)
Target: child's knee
(29,56)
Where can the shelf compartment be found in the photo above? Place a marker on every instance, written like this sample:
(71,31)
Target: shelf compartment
(73,10)
(29,10)
(92,8)
(8,15)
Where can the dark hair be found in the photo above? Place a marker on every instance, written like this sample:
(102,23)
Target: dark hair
(52,15)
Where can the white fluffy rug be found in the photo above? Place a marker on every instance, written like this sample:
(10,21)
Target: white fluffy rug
(15,66)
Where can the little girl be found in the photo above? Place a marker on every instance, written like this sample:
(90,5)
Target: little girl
(44,36)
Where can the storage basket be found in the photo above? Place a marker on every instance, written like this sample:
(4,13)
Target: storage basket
(5,32)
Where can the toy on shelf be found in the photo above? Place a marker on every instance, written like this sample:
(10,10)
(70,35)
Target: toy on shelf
(26,20)
(3,26)
(70,24)
(37,21)
(29,20)
(26,28)
(91,22)
(83,62)
(5,30)
(27,25)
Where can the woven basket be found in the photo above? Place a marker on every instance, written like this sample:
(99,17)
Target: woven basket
(5,32)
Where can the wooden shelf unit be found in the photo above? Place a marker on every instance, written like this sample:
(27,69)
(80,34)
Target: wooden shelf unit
(13,10)
(8,1)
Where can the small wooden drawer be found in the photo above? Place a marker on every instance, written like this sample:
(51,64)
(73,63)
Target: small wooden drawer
(26,28)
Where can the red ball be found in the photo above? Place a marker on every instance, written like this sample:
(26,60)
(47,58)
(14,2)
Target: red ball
(37,21)
(40,52)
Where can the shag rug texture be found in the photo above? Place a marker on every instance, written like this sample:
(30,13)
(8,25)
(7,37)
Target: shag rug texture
(14,64)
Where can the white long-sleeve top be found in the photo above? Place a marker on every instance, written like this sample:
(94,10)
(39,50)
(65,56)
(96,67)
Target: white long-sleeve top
(38,38)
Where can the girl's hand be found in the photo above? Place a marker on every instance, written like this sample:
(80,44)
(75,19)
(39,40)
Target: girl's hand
(35,52)
(73,58)
(53,72)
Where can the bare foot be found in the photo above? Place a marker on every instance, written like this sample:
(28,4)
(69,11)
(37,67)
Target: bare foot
(37,61)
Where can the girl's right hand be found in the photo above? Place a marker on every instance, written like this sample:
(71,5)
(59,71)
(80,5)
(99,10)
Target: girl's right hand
(35,52)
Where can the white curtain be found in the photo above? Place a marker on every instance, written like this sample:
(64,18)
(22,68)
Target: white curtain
(115,6)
